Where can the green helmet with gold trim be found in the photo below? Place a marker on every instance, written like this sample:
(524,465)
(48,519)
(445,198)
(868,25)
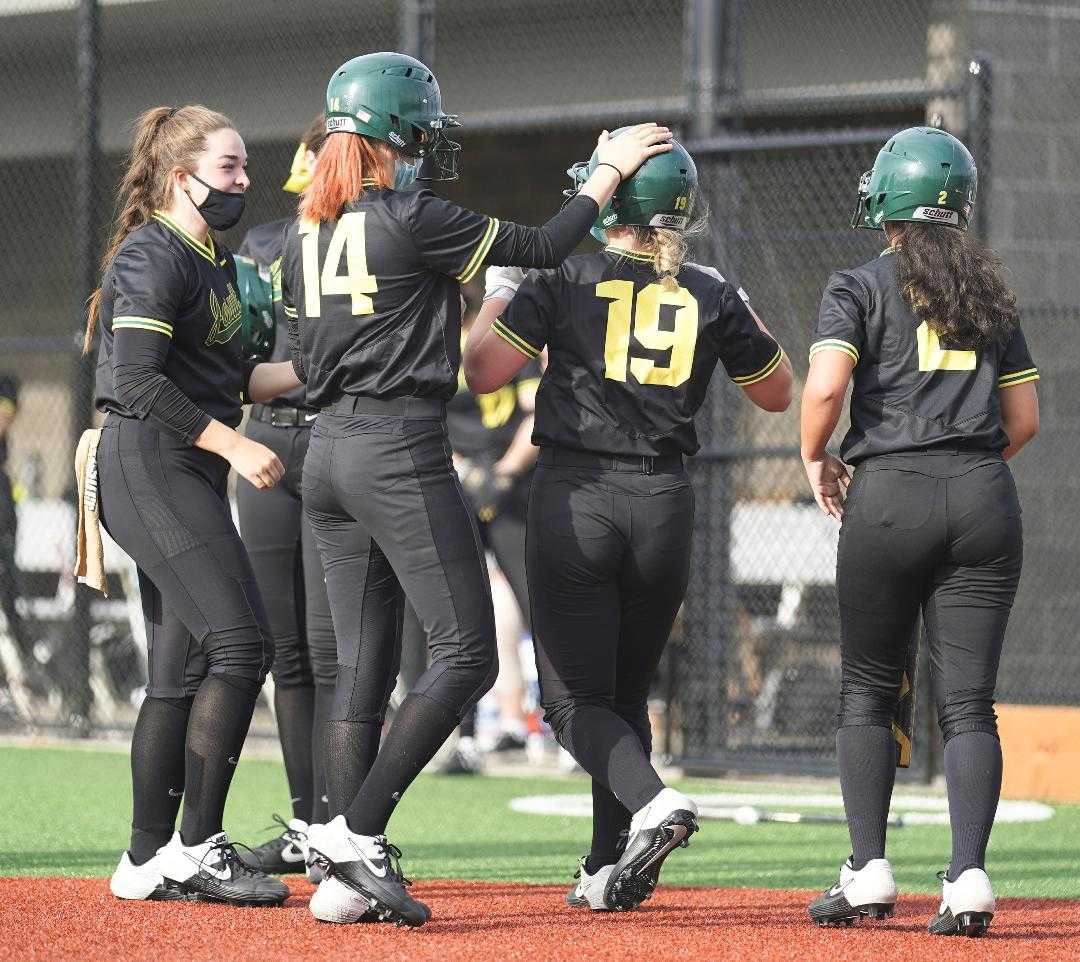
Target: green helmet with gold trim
(394,98)
(921,174)
(257,327)
(659,194)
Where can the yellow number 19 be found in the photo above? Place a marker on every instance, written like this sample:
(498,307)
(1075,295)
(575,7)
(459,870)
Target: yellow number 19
(680,341)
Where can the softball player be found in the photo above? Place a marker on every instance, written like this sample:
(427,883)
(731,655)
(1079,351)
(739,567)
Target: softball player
(285,560)
(371,273)
(490,436)
(633,336)
(171,383)
(943,395)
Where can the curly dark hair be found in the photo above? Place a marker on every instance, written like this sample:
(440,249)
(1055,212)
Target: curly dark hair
(955,284)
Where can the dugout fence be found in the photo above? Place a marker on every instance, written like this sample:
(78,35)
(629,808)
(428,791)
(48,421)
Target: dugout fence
(783,104)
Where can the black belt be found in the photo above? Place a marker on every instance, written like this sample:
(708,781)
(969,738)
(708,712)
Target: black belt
(639,464)
(400,407)
(283,416)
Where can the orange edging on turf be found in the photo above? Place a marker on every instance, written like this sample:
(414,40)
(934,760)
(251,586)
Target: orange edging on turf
(60,919)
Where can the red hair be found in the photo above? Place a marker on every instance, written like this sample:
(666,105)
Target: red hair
(345,162)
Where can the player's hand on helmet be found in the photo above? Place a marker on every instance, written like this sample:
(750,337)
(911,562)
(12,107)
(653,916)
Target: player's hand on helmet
(829,480)
(632,147)
(503,282)
(256,462)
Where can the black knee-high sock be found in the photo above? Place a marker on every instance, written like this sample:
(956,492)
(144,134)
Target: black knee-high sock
(420,727)
(320,809)
(349,752)
(610,750)
(157,773)
(867,759)
(220,716)
(610,823)
(468,724)
(295,711)
(973,777)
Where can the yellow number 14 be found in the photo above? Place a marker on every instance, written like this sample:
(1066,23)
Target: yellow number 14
(356,282)
(642,318)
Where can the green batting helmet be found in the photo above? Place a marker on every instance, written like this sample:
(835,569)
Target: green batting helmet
(922,174)
(257,329)
(659,194)
(396,99)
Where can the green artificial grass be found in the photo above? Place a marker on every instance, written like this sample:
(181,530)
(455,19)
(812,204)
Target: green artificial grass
(66,812)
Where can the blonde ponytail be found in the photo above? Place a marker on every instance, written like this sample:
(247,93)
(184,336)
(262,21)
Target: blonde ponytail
(165,137)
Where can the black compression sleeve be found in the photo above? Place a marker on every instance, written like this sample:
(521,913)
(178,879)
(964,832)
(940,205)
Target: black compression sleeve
(548,246)
(143,388)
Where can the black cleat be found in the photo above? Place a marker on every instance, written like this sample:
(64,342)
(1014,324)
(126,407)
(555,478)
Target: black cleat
(664,825)
(870,892)
(369,865)
(213,872)
(284,854)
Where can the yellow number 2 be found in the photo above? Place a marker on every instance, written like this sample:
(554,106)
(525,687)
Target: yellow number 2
(348,237)
(933,357)
(643,319)
(943,197)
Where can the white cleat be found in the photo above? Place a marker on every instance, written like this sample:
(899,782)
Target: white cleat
(131,881)
(212,872)
(334,901)
(967,905)
(870,891)
(590,889)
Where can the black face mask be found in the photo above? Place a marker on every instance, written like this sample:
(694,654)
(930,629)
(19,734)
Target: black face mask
(221,210)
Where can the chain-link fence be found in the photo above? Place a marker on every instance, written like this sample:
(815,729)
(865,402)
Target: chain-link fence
(784,104)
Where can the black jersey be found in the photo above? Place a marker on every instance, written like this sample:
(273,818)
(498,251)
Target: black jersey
(629,361)
(263,244)
(9,402)
(164,282)
(911,392)
(375,294)
(483,425)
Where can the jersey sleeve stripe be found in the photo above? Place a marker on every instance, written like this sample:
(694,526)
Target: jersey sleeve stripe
(835,344)
(289,311)
(744,380)
(143,324)
(481,251)
(1018,377)
(498,327)
(7,406)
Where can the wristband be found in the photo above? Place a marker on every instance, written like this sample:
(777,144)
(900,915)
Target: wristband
(604,163)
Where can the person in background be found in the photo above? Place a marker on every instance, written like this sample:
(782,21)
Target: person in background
(279,542)
(491,437)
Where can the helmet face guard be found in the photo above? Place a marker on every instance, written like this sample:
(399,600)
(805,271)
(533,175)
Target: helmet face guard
(860,214)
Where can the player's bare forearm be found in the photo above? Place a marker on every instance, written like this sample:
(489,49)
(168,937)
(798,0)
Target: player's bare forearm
(489,361)
(1019,416)
(822,401)
(269,380)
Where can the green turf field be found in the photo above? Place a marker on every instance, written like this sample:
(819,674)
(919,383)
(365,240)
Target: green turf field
(66,812)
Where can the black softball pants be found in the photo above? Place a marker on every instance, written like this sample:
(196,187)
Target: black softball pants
(940,534)
(608,554)
(391,522)
(286,562)
(165,503)
(287,566)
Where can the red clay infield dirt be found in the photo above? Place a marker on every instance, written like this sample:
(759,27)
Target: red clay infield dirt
(59,919)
